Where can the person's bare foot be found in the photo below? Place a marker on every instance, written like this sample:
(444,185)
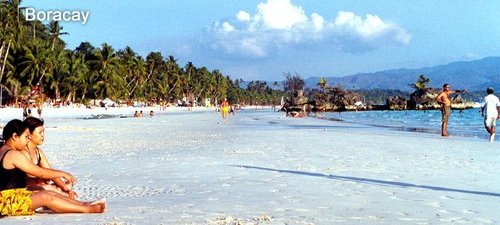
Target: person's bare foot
(445,135)
(97,206)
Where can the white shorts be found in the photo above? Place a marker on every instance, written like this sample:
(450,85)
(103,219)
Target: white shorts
(490,121)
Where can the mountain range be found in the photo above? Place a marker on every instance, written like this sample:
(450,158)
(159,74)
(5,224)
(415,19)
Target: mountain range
(474,75)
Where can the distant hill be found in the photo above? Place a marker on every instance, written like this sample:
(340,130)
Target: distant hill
(474,75)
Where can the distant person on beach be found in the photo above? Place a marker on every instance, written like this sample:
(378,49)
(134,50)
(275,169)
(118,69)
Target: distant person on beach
(151,113)
(39,111)
(225,109)
(15,199)
(37,156)
(231,110)
(136,114)
(25,111)
(443,99)
(492,108)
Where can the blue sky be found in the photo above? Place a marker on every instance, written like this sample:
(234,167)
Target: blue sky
(264,39)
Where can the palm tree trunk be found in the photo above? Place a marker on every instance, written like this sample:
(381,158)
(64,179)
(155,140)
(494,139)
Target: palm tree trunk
(5,61)
(73,95)
(1,49)
(83,94)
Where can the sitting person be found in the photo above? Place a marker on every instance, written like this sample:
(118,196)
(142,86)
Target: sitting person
(37,156)
(15,199)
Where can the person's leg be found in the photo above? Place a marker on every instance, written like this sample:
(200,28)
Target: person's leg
(492,133)
(61,204)
(446,115)
(444,133)
(488,126)
(51,187)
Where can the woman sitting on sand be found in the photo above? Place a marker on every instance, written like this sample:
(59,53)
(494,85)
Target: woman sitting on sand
(15,199)
(37,156)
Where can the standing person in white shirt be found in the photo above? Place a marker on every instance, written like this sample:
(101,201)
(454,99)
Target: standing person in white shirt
(492,106)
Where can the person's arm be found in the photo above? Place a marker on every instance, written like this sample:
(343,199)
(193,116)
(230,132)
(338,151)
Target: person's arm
(20,161)
(498,109)
(439,98)
(44,163)
(458,91)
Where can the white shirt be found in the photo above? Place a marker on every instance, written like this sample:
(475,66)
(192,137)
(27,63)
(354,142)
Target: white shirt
(491,103)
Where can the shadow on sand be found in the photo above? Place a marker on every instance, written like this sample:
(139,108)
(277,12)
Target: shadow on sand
(373,181)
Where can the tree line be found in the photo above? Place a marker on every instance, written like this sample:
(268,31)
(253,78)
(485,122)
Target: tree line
(34,61)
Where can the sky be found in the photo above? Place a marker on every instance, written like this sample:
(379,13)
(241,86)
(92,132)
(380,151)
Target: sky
(266,39)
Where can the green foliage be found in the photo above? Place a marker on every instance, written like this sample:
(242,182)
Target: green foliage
(293,84)
(378,96)
(32,53)
(422,83)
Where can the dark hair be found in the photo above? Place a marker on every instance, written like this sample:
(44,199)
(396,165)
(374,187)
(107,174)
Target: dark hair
(444,85)
(14,126)
(32,123)
(490,90)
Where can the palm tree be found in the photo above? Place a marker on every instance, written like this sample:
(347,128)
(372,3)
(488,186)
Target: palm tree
(173,76)
(322,83)
(9,29)
(190,70)
(59,70)
(422,83)
(108,83)
(155,84)
(35,63)
(78,72)
(134,69)
(55,31)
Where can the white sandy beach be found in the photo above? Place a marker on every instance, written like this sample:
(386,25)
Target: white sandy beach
(261,168)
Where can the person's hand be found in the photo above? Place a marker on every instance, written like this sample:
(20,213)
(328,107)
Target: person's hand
(69,179)
(72,194)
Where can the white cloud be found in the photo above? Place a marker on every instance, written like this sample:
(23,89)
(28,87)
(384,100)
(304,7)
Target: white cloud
(280,14)
(243,16)
(371,28)
(227,27)
(278,24)
(318,21)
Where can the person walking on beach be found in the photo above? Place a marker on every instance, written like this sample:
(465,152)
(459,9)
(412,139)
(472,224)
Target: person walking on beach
(225,109)
(443,99)
(15,199)
(492,108)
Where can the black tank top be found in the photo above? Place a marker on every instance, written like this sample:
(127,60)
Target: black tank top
(13,178)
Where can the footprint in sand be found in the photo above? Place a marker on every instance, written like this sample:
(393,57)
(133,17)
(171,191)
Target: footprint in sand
(434,204)
(124,191)
(445,197)
(444,211)
(468,211)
